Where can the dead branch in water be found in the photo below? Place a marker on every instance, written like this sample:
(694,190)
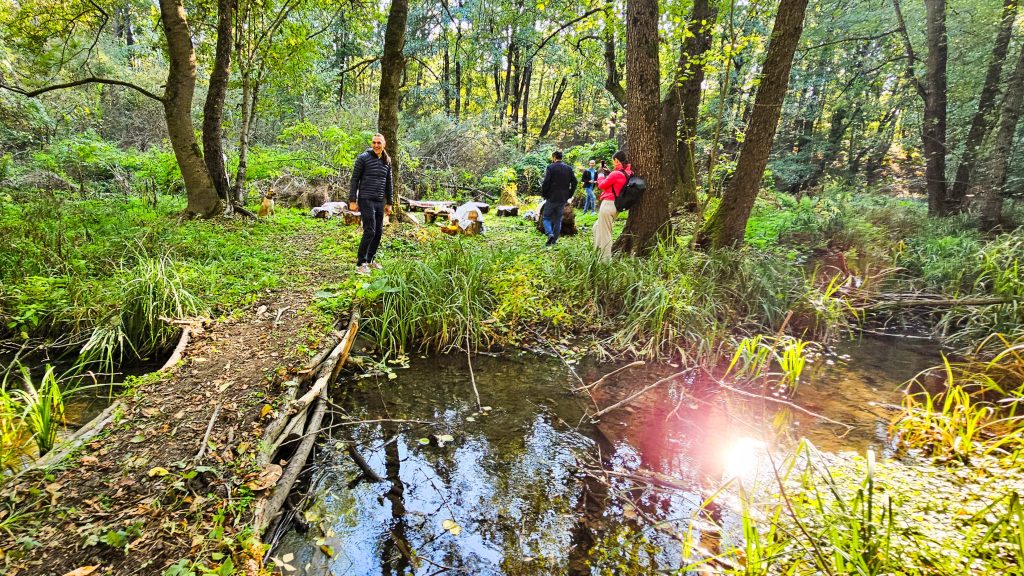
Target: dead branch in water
(601,380)
(628,400)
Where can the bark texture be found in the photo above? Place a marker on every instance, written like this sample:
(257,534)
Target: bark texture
(727,225)
(1002,150)
(213,110)
(984,116)
(392,66)
(649,216)
(181,82)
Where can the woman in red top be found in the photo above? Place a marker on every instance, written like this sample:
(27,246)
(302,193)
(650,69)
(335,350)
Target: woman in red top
(610,186)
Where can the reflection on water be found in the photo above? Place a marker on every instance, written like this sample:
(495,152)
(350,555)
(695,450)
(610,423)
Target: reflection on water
(509,494)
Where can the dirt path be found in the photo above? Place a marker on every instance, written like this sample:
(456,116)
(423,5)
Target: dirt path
(135,500)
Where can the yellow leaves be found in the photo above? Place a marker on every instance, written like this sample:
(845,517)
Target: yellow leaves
(267,409)
(83,571)
(158,472)
(452,527)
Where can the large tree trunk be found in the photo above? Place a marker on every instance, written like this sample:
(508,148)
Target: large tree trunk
(1002,151)
(983,118)
(649,217)
(181,82)
(213,110)
(392,65)
(728,224)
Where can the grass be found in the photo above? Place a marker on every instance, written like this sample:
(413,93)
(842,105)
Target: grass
(977,408)
(676,303)
(101,275)
(36,409)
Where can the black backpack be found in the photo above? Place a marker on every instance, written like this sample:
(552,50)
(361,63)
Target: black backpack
(630,193)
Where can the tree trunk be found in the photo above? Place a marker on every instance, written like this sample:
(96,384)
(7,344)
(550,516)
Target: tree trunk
(526,101)
(649,216)
(458,87)
(933,127)
(181,82)
(555,100)
(999,161)
(727,225)
(213,110)
(445,81)
(517,92)
(243,140)
(681,169)
(392,65)
(509,57)
(702,24)
(983,118)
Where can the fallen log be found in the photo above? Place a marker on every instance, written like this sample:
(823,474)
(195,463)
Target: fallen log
(938,303)
(267,509)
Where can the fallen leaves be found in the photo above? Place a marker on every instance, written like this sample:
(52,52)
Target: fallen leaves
(452,527)
(269,476)
(83,571)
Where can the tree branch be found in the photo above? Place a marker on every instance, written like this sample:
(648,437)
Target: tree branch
(548,38)
(911,58)
(82,82)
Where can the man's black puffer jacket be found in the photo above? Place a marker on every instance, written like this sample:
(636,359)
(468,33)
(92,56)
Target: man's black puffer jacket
(371,178)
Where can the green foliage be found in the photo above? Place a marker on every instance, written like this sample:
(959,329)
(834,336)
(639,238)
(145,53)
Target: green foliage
(66,275)
(978,408)
(582,154)
(42,404)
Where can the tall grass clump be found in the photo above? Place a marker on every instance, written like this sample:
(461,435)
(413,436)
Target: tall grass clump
(150,293)
(977,409)
(676,302)
(42,403)
(13,439)
(441,301)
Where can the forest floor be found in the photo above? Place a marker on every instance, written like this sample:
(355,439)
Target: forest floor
(137,500)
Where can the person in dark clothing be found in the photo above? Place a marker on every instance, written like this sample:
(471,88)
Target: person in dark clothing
(589,180)
(557,188)
(370,195)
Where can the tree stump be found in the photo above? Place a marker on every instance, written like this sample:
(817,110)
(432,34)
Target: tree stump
(568,221)
(506,211)
(350,217)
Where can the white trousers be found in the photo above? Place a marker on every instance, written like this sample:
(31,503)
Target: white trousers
(603,228)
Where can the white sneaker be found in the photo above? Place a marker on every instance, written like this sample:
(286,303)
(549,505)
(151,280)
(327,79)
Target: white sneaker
(363,269)
(376,265)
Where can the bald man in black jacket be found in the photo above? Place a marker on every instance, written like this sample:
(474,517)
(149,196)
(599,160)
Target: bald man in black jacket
(557,188)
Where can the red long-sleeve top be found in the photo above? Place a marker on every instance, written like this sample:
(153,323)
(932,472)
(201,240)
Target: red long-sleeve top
(613,183)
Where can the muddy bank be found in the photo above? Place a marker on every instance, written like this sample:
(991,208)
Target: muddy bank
(137,499)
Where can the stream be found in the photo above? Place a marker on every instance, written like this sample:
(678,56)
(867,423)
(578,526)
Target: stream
(505,489)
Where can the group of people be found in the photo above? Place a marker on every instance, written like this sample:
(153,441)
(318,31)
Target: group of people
(371,194)
(559,186)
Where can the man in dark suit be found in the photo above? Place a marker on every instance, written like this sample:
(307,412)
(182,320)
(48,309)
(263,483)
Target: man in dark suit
(557,188)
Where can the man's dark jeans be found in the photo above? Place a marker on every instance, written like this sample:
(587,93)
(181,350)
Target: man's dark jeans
(552,214)
(372,214)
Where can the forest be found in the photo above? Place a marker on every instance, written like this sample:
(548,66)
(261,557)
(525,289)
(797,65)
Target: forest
(800,351)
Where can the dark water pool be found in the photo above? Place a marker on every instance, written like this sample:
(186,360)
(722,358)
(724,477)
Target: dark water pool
(514,488)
